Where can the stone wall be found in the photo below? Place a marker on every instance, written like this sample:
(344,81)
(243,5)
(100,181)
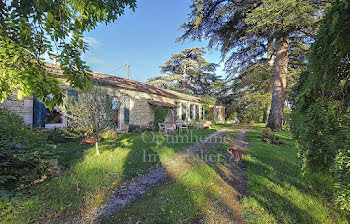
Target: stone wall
(24,107)
(141,112)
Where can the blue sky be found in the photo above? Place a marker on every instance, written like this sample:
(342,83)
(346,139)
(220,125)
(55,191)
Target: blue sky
(144,38)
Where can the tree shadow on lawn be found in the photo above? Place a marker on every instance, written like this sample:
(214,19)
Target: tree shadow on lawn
(192,193)
(280,205)
(150,148)
(278,187)
(88,177)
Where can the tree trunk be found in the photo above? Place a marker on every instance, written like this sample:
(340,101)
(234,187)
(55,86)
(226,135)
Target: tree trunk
(184,78)
(97,151)
(271,57)
(266,113)
(279,85)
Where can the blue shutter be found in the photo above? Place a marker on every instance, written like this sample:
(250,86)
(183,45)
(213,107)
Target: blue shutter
(197,112)
(73,93)
(39,113)
(127,111)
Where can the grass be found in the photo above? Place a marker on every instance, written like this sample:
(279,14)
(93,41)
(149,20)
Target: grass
(193,192)
(88,178)
(277,190)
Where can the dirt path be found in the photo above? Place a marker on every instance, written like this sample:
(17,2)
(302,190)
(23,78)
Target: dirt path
(135,188)
(233,173)
(232,180)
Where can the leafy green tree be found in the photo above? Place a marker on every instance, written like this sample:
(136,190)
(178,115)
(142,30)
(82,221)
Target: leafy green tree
(31,29)
(255,81)
(321,103)
(249,95)
(251,31)
(91,113)
(188,71)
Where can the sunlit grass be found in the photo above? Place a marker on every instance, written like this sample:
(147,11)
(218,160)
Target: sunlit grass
(277,191)
(193,192)
(87,178)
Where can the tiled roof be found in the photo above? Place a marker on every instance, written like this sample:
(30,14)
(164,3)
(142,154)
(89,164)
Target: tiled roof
(162,104)
(130,84)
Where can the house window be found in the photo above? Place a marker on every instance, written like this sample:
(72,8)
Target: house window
(197,112)
(183,111)
(194,112)
(191,111)
(115,104)
(127,111)
(178,110)
(54,116)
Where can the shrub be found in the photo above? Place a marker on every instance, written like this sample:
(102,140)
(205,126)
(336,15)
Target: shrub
(24,154)
(341,169)
(321,103)
(60,135)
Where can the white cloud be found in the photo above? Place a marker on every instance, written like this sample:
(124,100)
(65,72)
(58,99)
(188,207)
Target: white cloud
(95,60)
(92,42)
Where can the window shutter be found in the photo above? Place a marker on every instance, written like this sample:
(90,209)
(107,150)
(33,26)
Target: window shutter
(39,113)
(127,111)
(191,112)
(73,93)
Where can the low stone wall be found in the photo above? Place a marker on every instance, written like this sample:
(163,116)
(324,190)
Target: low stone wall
(23,108)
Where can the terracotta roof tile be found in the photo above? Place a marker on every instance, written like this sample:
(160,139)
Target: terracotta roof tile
(129,84)
(162,104)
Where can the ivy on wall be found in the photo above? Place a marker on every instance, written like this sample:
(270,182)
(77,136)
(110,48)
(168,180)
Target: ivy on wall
(160,113)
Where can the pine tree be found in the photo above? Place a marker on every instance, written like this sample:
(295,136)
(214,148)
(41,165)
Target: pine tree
(188,71)
(249,31)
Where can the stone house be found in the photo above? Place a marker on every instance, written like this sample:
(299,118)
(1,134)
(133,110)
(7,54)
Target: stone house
(133,100)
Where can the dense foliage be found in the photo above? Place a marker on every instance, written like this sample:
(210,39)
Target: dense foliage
(249,32)
(30,30)
(189,72)
(25,155)
(160,114)
(321,102)
(249,94)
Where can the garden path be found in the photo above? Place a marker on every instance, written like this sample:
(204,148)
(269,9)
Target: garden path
(135,188)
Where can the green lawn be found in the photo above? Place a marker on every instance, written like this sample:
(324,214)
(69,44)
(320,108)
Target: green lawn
(88,178)
(277,191)
(193,192)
